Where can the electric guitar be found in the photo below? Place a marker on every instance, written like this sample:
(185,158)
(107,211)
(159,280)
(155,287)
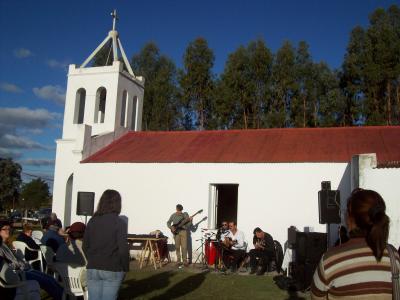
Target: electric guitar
(176,228)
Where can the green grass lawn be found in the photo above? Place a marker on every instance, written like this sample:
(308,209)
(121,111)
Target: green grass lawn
(181,284)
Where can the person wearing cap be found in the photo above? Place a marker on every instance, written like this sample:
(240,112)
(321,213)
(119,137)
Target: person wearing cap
(17,265)
(52,238)
(71,252)
(180,233)
(263,252)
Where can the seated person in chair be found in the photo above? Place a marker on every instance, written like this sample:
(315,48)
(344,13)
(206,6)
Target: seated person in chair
(71,252)
(46,282)
(26,237)
(263,252)
(52,238)
(223,231)
(235,245)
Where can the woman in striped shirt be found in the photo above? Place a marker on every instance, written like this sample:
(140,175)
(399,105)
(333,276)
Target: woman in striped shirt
(360,268)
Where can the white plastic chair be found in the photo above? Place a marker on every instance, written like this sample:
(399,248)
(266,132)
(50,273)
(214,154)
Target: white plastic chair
(48,254)
(21,247)
(71,280)
(37,236)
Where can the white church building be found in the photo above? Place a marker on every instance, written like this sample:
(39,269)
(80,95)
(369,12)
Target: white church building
(266,178)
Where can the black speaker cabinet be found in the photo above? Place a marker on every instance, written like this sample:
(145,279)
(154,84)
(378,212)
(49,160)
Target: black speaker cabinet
(310,246)
(329,207)
(85,205)
(291,237)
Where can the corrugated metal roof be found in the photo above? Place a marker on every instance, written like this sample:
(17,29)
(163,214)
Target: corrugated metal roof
(336,144)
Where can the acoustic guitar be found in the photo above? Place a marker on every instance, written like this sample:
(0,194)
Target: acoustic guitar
(176,228)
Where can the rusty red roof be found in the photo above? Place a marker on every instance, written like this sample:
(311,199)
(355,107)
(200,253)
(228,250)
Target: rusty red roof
(336,144)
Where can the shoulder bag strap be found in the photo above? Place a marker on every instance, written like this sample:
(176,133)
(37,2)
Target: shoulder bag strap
(395,272)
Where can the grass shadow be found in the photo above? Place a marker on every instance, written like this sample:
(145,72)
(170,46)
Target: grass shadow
(133,288)
(182,288)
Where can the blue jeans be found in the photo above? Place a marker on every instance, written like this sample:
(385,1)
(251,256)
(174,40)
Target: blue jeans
(46,282)
(103,285)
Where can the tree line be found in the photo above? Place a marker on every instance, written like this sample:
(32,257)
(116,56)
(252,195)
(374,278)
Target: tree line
(262,89)
(16,194)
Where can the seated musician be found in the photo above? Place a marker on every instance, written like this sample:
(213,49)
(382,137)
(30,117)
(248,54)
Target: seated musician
(236,247)
(179,222)
(263,252)
(223,231)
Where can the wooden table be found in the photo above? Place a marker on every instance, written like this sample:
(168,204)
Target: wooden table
(149,249)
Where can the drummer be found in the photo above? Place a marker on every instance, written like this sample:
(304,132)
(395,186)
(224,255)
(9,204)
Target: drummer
(223,231)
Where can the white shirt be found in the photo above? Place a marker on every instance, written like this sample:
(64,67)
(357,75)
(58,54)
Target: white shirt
(224,235)
(240,240)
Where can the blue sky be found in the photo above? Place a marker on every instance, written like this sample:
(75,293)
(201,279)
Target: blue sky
(40,38)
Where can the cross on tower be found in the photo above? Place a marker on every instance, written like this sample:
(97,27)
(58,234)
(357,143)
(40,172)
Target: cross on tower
(115,17)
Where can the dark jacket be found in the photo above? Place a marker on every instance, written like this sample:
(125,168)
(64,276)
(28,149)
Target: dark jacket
(267,242)
(29,255)
(105,244)
(52,239)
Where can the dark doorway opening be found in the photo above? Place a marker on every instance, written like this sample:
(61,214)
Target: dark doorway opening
(227,203)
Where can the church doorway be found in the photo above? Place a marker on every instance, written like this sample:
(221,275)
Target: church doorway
(223,204)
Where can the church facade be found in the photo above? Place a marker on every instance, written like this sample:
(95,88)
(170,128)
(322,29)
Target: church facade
(266,178)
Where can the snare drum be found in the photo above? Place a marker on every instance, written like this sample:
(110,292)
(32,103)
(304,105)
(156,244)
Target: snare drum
(211,248)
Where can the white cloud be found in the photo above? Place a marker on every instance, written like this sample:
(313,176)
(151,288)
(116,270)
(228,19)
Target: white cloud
(15,122)
(10,88)
(53,63)
(22,53)
(8,153)
(27,118)
(37,162)
(13,141)
(51,92)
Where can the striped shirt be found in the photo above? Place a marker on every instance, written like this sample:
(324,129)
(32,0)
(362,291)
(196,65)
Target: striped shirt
(350,271)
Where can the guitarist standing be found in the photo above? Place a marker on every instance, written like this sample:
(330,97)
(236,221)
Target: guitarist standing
(179,223)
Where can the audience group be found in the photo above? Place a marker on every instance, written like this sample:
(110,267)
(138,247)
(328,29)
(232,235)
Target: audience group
(358,266)
(30,278)
(100,248)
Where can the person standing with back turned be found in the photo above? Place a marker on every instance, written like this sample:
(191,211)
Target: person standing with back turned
(361,267)
(106,249)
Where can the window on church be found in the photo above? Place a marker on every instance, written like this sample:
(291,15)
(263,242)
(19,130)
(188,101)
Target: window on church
(134,109)
(100,111)
(123,109)
(80,106)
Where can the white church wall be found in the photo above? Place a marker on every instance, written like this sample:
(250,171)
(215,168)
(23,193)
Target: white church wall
(385,181)
(271,196)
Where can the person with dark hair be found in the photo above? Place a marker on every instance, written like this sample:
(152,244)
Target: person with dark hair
(17,265)
(343,237)
(263,252)
(179,223)
(52,238)
(360,268)
(26,237)
(106,248)
(235,247)
(54,220)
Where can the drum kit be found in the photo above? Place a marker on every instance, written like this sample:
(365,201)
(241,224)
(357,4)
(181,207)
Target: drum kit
(211,251)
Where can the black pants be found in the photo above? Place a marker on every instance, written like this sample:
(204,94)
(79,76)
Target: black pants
(233,257)
(264,257)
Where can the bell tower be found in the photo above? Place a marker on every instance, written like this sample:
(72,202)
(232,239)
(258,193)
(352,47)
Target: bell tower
(102,103)
(105,97)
